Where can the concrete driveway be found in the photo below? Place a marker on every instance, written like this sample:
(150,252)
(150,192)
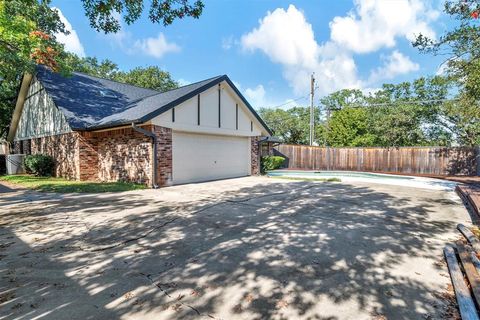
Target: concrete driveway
(249,248)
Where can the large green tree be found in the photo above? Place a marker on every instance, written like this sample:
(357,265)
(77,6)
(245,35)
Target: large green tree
(461,46)
(104,14)
(151,77)
(27,37)
(405,114)
(292,125)
(147,77)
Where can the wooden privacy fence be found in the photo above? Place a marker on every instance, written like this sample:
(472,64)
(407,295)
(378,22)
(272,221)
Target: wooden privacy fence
(414,160)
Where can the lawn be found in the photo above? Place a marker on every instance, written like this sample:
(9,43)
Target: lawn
(50,184)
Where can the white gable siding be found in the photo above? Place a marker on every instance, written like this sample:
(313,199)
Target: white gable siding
(186,115)
(40,117)
(208,108)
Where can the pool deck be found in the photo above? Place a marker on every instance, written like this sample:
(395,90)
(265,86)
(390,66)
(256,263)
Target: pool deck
(471,180)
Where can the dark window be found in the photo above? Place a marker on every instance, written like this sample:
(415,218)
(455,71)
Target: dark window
(251,125)
(198,110)
(236,116)
(173,114)
(219,106)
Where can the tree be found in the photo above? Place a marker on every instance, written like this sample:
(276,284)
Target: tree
(103,14)
(462,46)
(350,127)
(149,77)
(292,125)
(27,38)
(405,114)
(90,65)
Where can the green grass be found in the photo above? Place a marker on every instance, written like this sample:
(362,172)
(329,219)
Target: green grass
(308,179)
(49,184)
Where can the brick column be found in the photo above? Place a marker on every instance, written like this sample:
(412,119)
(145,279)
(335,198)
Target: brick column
(164,156)
(255,156)
(87,157)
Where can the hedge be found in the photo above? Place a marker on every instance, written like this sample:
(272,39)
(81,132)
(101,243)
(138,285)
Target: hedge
(271,163)
(39,164)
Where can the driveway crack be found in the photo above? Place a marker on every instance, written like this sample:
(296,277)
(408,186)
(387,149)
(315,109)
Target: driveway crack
(135,238)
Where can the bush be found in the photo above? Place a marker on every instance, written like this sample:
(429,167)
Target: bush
(39,165)
(271,163)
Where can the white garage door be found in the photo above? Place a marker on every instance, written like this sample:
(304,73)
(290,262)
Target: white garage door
(202,157)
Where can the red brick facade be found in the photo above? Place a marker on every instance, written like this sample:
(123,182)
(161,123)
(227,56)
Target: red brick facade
(255,156)
(63,148)
(116,155)
(164,156)
(113,155)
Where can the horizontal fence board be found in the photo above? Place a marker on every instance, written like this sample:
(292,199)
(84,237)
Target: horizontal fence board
(408,160)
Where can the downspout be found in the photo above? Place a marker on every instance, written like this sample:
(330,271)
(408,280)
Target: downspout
(154,147)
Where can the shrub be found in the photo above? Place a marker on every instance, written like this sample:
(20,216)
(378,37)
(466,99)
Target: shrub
(39,165)
(271,163)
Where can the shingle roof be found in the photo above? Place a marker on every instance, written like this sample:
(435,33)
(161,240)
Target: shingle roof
(92,103)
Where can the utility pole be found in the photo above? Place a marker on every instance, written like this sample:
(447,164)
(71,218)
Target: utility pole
(312,113)
(327,129)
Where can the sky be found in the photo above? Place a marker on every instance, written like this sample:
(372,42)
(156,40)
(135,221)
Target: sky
(269,48)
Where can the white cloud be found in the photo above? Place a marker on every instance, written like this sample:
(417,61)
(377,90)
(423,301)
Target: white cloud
(375,24)
(287,38)
(393,65)
(256,96)
(228,42)
(155,47)
(182,82)
(71,41)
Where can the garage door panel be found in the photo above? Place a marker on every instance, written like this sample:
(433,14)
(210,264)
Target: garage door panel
(201,157)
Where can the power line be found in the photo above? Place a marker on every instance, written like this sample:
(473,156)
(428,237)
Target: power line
(292,100)
(394,103)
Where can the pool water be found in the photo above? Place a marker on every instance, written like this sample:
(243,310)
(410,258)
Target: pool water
(334,174)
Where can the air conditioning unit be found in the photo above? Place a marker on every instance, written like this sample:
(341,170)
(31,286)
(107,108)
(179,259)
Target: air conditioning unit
(15,164)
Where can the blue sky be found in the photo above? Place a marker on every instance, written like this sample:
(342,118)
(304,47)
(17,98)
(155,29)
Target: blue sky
(269,48)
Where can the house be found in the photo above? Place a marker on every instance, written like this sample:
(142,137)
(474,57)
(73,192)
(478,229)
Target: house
(98,129)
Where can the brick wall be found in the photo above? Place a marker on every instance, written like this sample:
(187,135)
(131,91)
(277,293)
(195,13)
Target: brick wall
(88,164)
(116,155)
(255,155)
(164,155)
(63,148)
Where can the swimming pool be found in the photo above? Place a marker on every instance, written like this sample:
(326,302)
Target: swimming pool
(334,174)
(368,177)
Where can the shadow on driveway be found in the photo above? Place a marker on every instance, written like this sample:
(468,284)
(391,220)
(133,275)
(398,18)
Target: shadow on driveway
(270,250)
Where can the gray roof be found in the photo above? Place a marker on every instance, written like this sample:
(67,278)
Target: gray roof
(91,103)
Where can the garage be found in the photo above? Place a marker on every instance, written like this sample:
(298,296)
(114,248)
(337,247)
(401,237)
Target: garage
(203,157)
